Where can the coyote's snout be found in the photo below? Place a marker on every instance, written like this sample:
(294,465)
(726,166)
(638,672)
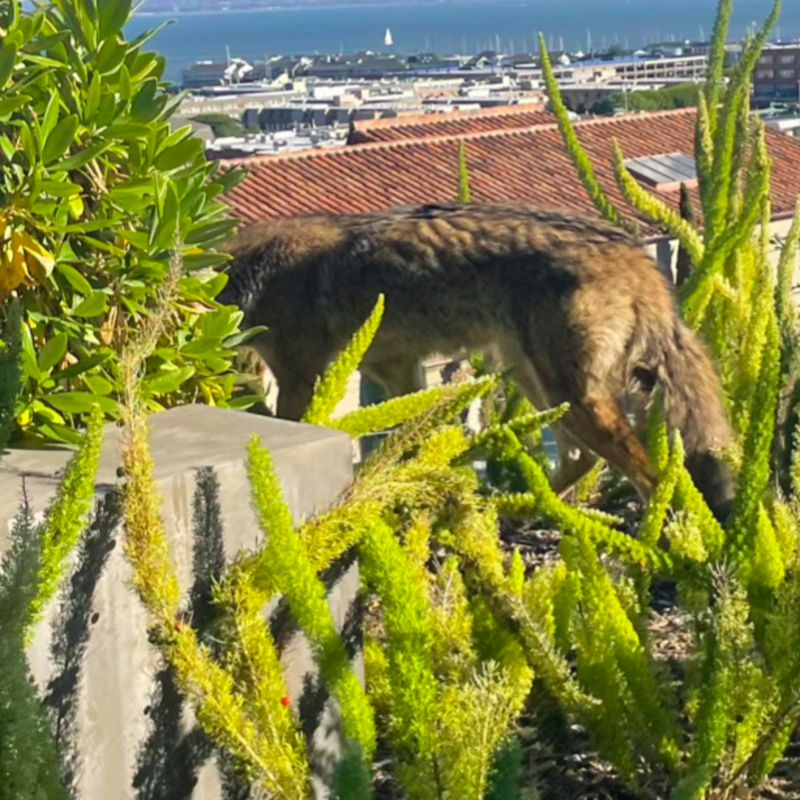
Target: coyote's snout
(574,308)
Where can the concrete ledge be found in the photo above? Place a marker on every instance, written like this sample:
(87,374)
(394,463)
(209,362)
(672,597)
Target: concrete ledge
(132,736)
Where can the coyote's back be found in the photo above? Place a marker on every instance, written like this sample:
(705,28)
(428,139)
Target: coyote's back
(574,307)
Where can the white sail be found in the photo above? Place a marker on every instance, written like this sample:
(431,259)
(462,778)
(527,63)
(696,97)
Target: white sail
(388,41)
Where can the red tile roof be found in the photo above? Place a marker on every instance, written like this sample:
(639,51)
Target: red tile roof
(454,123)
(528,165)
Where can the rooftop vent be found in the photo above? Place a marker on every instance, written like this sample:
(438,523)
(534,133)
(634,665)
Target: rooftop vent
(666,172)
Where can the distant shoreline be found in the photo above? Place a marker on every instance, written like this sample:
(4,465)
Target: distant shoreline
(321,7)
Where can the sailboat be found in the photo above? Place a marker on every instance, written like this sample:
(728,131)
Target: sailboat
(388,41)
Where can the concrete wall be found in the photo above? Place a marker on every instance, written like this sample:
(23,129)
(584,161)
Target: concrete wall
(133,737)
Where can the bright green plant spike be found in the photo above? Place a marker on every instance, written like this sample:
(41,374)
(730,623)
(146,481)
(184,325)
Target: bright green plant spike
(768,565)
(67,515)
(703,150)
(656,209)
(464,190)
(716,60)
(725,133)
(578,155)
(516,573)
(787,313)
(406,612)
(330,390)
(270,760)
(389,414)
(657,507)
(287,558)
(755,474)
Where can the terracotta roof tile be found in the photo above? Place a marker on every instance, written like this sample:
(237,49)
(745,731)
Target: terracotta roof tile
(529,165)
(455,123)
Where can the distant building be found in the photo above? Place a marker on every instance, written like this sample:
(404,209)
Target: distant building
(448,124)
(776,78)
(204,73)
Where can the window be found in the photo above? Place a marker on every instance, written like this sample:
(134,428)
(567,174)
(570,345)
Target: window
(787,73)
(786,92)
(765,74)
(765,60)
(787,59)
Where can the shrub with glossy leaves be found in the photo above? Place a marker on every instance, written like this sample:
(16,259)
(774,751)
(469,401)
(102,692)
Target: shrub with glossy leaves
(95,190)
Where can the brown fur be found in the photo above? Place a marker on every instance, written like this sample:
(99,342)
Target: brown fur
(574,307)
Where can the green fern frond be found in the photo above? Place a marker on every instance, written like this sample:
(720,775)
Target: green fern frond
(330,389)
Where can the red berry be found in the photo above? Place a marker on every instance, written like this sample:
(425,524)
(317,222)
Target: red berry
(285,701)
(178,626)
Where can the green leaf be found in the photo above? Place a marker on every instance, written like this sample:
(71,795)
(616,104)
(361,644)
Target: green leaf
(10,104)
(92,100)
(8,58)
(51,115)
(124,83)
(80,402)
(86,227)
(92,306)
(84,365)
(60,138)
(61,433)
(244,401)
(177,155)
(63,188)
(127,130)
(75,279)
(206,345)
(143,104)
(174,138)
(110,57)
(211,231)
(244,336)
(164,232)
(113,16)
(81,159)
(98,384)
(204,260)
(52,352)
(168,381)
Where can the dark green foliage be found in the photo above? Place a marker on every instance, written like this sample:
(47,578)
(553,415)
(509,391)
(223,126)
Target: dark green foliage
(505,781)
(681,96)
(353,780)
(10,371)
(29,765)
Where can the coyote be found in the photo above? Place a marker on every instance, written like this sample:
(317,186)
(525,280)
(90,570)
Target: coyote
(572,307)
